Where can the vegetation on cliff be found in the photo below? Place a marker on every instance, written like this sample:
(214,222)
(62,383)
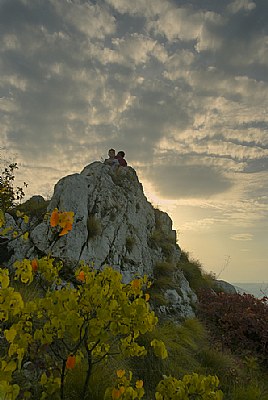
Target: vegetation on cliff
(94,337)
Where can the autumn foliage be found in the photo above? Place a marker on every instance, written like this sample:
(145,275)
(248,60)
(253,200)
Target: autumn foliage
(77,324)
(241,319)
(63,220)
(70,325)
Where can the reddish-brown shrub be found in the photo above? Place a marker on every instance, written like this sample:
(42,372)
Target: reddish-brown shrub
(239,320)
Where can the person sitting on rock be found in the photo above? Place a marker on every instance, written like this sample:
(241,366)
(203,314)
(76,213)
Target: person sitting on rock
(120,157)
(112,160)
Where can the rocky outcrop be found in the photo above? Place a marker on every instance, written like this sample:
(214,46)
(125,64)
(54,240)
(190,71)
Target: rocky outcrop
(115,225)
(225,286)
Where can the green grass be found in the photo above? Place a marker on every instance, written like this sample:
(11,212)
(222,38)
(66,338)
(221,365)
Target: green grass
(164,269)
(159,239)
(194,273)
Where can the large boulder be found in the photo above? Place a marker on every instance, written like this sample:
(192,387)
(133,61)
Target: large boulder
(114,224)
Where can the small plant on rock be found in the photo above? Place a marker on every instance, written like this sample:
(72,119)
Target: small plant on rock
(93,227)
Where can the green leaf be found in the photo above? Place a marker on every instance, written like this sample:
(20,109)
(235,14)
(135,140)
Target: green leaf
(43,379)
(4,278)
(10,334)
(159,348)
(2,218)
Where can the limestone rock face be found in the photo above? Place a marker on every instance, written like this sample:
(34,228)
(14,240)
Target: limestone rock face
(113,222)
(115,225)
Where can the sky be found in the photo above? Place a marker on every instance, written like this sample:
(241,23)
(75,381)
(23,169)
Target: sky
(181,86)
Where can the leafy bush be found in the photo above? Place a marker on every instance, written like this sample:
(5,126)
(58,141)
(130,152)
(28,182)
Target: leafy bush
(9,195)
(241,320)
(33,208)
(193,272)
(81,324)
(192,386)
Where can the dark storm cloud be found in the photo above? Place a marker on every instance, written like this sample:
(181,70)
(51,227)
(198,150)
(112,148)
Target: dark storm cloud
(242,49)
(256,166)
(179,181)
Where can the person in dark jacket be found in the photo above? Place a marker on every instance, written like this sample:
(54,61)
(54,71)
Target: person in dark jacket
(120,157)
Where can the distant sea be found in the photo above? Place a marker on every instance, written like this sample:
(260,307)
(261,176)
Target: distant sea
(259,290)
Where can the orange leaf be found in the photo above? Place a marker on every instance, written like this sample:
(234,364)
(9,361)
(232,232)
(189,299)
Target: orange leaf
(63,232)
(34,264)
(136,284)
(147,296)
(81,276)
(120,373)
(116,394)
(68,226)
(70,362)
(54,218)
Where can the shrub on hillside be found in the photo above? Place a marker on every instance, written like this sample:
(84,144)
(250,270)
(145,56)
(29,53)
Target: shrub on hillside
(193,272)
(33,208)
(9,195)
(240,320)
(84,323)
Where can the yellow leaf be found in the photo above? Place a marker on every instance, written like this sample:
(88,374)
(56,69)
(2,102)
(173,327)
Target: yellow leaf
(43,379)
(139,384)
(4,278)
(11,366)
(26,219)
(159,348)
(26,235)
(120,373)
(10,334)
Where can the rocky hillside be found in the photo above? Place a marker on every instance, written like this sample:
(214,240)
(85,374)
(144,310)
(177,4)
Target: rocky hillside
(115,225)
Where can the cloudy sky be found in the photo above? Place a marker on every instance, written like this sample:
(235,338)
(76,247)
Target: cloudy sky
(180,85)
